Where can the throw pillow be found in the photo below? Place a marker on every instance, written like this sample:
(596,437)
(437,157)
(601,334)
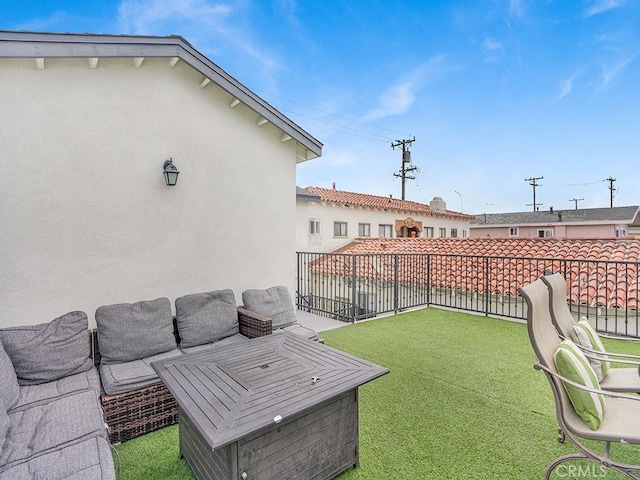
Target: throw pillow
(206,317)
(9,388)
(583,334)
(572,364)
(49,351)
(274,302)
(131,331)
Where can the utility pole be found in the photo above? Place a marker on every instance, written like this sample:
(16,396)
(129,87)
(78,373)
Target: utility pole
(533,181)
(612,189)
(576,200)
(406,158)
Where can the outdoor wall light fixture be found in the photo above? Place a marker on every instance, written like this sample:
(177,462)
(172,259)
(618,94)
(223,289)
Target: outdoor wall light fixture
(170,172)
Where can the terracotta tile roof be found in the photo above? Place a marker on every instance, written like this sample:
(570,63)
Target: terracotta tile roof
(382,203)
(499,266)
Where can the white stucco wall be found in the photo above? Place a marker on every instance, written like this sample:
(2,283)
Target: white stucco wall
(330,213)
(86,218)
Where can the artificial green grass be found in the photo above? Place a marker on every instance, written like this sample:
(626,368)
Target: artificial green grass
(462,401)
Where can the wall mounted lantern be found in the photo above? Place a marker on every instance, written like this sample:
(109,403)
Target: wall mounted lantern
(170,172)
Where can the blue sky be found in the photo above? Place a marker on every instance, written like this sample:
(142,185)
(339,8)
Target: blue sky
(493,91)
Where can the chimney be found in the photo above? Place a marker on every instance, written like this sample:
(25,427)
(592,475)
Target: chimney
(550,209)
(438,205)
(334,185)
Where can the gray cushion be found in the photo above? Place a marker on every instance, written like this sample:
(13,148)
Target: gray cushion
(48,351)
(88,460)
(274,302)
(206,317)
(131,331)
(4,424)
(9,388)
(49,427)
(32,395)
(232,340)
(299,330)
(124,377)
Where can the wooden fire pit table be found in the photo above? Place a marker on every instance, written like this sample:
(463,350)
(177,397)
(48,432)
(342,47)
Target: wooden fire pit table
(278,406)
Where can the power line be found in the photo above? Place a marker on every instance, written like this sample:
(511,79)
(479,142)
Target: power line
(332,114)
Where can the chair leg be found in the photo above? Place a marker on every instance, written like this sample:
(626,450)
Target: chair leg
(631,471)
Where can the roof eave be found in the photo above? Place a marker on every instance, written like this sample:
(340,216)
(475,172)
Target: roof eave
(70,45)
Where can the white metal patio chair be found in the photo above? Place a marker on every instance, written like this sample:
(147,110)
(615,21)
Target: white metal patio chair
(617,379)
(621,419)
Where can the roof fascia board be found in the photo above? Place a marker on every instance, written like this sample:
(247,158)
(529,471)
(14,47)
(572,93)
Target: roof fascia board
(36,45)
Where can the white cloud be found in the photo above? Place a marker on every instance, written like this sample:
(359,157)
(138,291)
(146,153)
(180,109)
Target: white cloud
(394,100)
(602,6)
(611,72)
(205,23)
(516,8)
(565,87)
(147,16)
(492,49)
(399,97)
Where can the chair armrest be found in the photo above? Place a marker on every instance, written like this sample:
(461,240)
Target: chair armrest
(608,393)
(252,324)
(610,356)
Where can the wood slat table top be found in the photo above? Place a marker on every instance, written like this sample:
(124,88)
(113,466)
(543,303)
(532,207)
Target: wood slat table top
(235,390)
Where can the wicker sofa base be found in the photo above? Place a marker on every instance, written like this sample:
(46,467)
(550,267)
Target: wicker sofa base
(141,411)
(144,410)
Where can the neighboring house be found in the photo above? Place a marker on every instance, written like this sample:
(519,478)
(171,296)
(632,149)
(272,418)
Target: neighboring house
(87,219)
(329,218)
(575,223)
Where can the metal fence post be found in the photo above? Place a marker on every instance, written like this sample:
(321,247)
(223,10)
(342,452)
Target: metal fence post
(354,290)
(395,282)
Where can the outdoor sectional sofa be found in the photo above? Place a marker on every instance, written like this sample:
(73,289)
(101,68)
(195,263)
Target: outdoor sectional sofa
(129,337)
(51,421)
(68,392)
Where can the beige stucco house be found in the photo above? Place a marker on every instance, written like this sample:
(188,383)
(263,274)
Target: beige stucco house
(87,219)
(328,218)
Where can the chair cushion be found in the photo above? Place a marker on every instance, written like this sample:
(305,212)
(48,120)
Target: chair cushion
(572,364)
(206,317)
(88,460)
(32,395)
(10,389)
(299,330)
(124,377)
(131,331)
(274,302)
(583,334)
(49,351)
(232,340)
(51,426)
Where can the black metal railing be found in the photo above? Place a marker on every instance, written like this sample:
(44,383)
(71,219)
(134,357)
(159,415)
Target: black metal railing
(350,287)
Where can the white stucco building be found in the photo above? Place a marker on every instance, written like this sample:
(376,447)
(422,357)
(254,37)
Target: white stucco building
(328,219)
(87,219)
